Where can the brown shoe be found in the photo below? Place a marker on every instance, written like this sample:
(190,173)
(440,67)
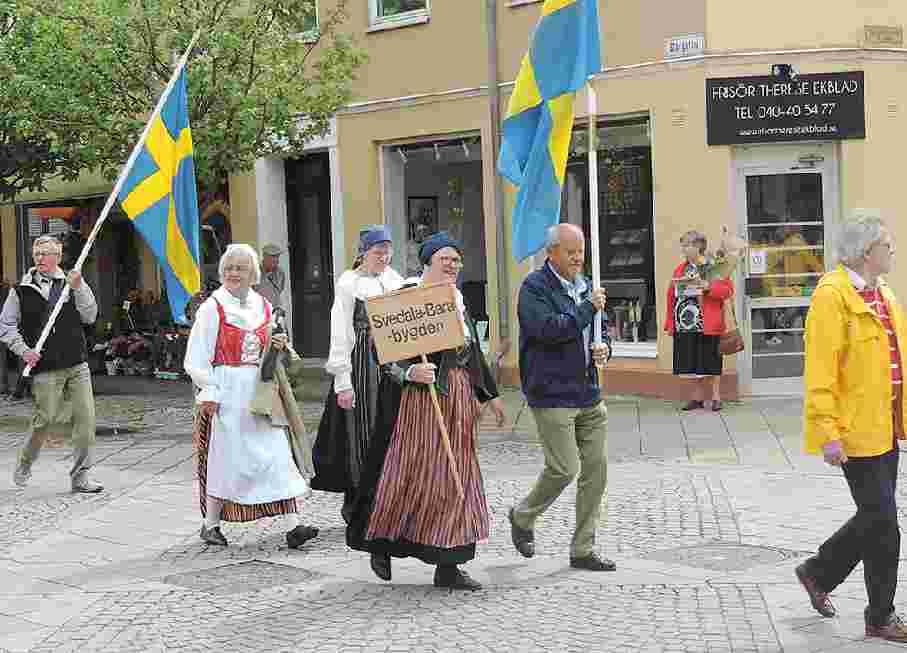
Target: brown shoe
(894,631)
(817,597)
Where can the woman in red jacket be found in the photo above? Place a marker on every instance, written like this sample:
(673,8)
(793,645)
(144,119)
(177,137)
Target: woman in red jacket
(696,321)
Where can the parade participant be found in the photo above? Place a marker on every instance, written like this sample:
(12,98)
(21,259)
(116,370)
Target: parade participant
(408,503)
(558,372)
(60,372)
(273,281)
(245,465)
(854,416)
(351,406)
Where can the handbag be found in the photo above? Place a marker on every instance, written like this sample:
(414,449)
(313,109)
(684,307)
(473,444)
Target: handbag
(731,342)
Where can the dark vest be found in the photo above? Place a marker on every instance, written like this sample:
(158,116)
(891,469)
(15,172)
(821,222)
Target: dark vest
(65,346)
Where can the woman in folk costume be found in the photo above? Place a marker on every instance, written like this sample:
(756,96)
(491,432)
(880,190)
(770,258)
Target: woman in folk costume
(245,466)
(351,406)
(409,504)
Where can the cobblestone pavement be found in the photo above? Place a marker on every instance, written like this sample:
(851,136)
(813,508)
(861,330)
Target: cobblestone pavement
(707,515)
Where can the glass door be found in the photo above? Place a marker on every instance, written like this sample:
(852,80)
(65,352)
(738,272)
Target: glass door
(785,215)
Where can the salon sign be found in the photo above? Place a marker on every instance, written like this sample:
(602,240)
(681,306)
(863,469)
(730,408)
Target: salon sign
(819,107)
(414,321)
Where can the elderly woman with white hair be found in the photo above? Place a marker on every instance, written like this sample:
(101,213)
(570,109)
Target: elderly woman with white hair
(245,465)
(856,333)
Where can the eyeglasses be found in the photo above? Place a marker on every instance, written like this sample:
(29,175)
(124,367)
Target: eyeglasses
(454,261)
(45,252)
(236,268)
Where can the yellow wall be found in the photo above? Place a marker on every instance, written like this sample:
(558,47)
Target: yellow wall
(243,209)
(787,24)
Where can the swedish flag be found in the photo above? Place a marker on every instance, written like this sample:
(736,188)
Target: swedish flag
(565,50)
(159,195)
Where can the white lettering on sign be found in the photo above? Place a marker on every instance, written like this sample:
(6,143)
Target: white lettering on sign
(685,46)
(758,261)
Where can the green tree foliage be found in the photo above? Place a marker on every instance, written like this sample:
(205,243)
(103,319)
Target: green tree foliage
(80,77)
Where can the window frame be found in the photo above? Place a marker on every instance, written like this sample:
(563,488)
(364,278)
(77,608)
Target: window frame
(312,35)
(411,17)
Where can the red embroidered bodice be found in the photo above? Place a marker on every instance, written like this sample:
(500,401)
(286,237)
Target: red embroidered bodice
(238,347)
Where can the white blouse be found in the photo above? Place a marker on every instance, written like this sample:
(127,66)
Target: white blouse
(352,285)
(203,337)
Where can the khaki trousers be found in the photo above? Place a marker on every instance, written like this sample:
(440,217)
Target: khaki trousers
(575,442)
(52,391)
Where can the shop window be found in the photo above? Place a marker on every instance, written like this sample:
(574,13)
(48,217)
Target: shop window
(396,13)
(627,261)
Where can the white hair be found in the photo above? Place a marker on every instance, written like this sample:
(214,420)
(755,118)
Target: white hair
(858,233)
(240,250)
(553,235)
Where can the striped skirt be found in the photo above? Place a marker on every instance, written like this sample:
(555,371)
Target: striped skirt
(416,499)
(235,512)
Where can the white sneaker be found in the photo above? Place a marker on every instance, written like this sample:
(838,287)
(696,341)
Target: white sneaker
(773,340)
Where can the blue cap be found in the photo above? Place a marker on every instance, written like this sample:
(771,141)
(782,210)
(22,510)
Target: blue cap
(435,242)
(371,236)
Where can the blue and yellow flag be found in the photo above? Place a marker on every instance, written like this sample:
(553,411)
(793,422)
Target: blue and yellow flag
(159,195)
(565,50)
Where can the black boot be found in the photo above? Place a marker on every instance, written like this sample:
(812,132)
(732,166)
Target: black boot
(452,577)
(381,565)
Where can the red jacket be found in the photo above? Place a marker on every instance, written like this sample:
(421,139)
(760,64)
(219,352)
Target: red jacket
(712,302)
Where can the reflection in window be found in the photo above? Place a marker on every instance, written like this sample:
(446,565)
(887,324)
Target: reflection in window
(784,198)
(393,8)
(625,223)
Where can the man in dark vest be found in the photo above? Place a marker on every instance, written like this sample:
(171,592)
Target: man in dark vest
(60,371)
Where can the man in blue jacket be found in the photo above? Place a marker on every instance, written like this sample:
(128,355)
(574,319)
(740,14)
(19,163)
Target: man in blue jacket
(558,372)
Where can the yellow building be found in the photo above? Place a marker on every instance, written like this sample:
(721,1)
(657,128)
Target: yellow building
(774,120)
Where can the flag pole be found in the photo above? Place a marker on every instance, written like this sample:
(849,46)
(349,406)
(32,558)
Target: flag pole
(592,112)
(111,199)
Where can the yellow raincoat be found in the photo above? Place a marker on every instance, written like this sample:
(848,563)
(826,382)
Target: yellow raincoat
(848,369)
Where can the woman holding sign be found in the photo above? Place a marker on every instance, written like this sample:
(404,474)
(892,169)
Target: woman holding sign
(351,407)
(410,503)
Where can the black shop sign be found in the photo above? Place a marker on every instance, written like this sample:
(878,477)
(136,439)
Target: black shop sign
(826,106)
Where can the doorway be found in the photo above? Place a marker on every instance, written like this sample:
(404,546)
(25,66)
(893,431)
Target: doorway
(311,262)
(787,202)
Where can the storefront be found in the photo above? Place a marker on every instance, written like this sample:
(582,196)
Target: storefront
(437,185)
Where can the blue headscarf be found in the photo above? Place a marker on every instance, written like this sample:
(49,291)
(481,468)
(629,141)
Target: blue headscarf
(435,242)
(371,236)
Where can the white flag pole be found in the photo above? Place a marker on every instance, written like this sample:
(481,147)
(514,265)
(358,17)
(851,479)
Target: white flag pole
(64,294)
(592,111)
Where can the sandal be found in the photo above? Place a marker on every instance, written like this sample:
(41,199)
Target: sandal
(715,405)
(692,405)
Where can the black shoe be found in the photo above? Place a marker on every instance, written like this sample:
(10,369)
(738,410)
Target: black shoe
(523,538)
(593,563)
(692,405)
(300,535)
(381,565)
(213,536)
(454,578)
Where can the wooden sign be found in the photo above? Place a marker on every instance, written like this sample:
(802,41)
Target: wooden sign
(415,321)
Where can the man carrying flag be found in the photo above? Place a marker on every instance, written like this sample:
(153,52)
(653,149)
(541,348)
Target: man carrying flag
(557,304)
(61,370)
(40,319)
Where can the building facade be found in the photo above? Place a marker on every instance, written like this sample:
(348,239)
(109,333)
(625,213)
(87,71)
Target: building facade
(773,122)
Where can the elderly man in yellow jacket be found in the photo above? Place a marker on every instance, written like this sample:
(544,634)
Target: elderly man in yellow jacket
(854,416)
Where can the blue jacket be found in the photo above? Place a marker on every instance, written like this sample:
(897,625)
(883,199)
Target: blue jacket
(553,368)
